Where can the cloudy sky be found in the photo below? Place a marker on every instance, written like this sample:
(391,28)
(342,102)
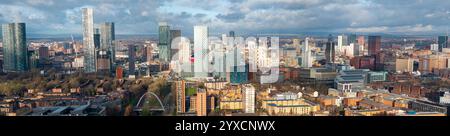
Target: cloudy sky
(249,16)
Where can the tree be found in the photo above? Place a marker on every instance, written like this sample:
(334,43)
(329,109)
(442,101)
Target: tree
(12,88)
(128,110)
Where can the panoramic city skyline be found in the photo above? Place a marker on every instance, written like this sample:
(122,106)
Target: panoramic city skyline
(255,60)
(243,16)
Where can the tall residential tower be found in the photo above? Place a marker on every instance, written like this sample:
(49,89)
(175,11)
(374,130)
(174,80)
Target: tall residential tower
(330,52)
(374,45)
(107,43)
(306,54)
(442,42)
(200,51)
(88,41)
(164,42)
(15,51)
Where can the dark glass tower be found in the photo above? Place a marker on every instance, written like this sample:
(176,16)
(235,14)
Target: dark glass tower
(174,34)
(330,51)
(442,42)
(97,38)
(15,49)
(164,42)
(231,34)
(352,38)
(239,74)
(374,45)
(107,43)
(131,60)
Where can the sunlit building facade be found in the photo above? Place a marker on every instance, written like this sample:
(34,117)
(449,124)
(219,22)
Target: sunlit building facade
(88,41)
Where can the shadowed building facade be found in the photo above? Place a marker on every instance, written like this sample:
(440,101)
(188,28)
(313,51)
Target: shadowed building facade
(107,45)
(374,45)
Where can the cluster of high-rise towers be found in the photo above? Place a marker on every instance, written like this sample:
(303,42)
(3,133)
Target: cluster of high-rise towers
(99,44)
(166,35)
(350,46)
(98,47)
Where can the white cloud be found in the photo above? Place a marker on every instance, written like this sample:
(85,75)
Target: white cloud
(14,13)
(128,11)
(415,28)
(418,28)
(141,16)
(144,13)
(41,2)
(369,29)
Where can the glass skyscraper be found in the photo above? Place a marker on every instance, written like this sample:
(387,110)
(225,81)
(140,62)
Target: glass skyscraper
(200,51)
(231,34)
(15,51)
(351,38)
(219,60)
(97,38)
(173,34)
(306,55)
(374,45)
(330,52)
(239,74)
(341,41)
(164,42)
(131,60)
(88,41)
(107,42)
(442,42)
